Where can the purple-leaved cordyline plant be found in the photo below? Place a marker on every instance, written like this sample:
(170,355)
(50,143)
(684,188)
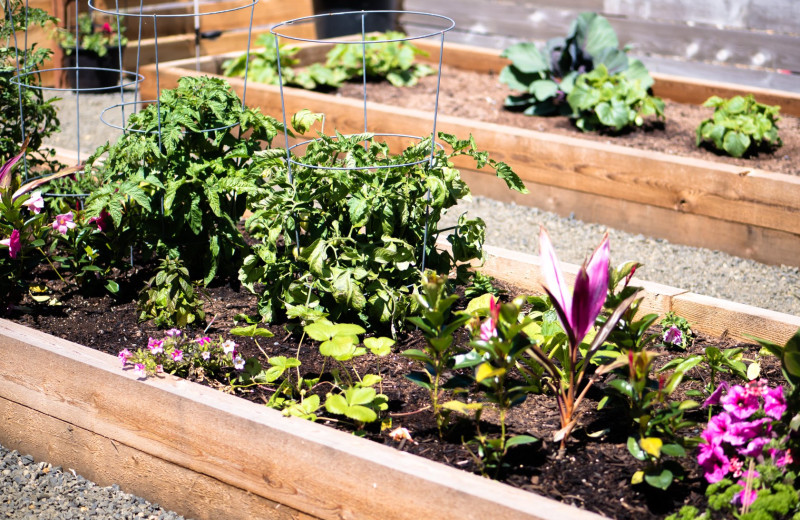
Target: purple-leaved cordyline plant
(577,312)
(741,434)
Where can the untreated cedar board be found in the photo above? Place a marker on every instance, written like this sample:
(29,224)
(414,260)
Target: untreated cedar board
(694,186)
(762,245)
(307,466)
(106,462)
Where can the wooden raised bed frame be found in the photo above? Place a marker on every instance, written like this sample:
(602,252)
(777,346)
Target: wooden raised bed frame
(210,455)
(750,213)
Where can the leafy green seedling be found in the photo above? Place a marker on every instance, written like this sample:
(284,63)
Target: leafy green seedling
(739,125)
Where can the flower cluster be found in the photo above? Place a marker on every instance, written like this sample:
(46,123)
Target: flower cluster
(177,354)
(742,431)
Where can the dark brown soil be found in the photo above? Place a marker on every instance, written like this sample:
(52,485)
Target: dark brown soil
(594,475)
(480,96)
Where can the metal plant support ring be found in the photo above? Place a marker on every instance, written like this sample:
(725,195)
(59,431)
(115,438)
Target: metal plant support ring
(282,30)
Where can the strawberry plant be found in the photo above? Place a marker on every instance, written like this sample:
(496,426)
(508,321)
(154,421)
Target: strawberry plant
(544,78)
(739,125)
(612,101)
(176,184)
(351,241)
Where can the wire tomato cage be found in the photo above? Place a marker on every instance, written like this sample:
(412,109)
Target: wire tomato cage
(437,26)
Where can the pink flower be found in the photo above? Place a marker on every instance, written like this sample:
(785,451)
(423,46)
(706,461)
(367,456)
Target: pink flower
(712,458)
(781,458)
(735,466)
(578,311)
(124,355)
(13,243)
(159,369)
(177,356)
(673,336)
(204,340)
(716,394)
(35,202)
(746,497)
(63,223)
(173,333)
(238,363)
(717,428)
(107,28)
(205,355)
(489,327)
(140,371)
(774,402)
(102,221)
(156,346)
(740,433)
(739,402)
(229,347)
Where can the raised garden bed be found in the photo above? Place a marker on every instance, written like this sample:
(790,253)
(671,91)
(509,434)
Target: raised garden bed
(206,454)
(740,210)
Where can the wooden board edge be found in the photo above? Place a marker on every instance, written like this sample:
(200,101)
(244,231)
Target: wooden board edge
(307,466)
(106,462)
(756,243)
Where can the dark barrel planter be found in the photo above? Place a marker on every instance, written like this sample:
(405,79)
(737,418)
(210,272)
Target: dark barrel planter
(98,73)
(332,26)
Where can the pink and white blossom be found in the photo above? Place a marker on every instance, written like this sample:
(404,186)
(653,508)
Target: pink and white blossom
(35,202)
(139,371)
(124,355)
(229,347)
(177,356)
(156,346)
(63,223)
(238,362)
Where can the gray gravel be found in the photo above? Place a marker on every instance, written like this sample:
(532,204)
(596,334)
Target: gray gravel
(31,490)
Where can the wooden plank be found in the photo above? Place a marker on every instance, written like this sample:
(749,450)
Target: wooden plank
(729,319)
(105,462)
(698,42)
(309,467)
(759,244)
(726,192)
(781,16)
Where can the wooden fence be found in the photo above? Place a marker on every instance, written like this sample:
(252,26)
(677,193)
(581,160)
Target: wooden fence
(741,41)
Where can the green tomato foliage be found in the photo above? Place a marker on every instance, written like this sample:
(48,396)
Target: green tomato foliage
(544,78)
(169,298)
(739,125)
(350,242)
(600,100)
(182,194)
(38,115)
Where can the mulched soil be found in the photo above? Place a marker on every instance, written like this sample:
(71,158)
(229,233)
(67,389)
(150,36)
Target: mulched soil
(594,475)
(480,96)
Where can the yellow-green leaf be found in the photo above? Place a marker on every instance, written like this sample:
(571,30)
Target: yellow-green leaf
(652,445)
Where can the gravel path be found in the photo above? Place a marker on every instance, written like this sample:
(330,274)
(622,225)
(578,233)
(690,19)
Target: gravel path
(31,490)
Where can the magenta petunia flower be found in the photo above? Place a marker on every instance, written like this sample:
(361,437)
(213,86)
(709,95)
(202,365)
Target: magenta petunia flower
(204,340)
(13,243)
(63,223)
(156,346)
(489,327)
(673,336)
(177,355)
(173,333)
(774,402)
(35,202)
(124,355)
(139,371)
(717,428)
(740,403)
(743,432)
(714,462)
(716,394)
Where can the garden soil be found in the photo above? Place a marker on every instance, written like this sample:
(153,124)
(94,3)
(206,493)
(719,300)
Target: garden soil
(594,475)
